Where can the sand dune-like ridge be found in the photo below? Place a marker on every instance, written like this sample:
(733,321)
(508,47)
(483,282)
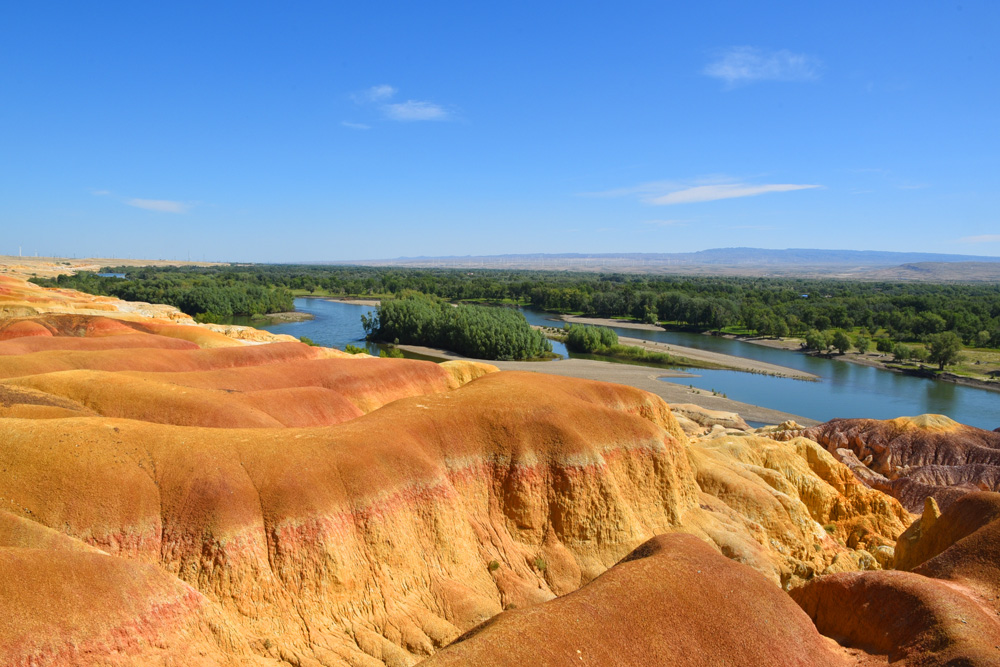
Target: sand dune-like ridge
(279,503)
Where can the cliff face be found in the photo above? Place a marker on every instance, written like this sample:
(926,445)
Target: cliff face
(231,503)
(913,458)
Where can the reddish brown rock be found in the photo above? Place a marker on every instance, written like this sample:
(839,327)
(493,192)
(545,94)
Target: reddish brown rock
(944,612)
(911,458)
(672,601)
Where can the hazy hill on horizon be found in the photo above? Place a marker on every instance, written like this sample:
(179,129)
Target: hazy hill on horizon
(804,262)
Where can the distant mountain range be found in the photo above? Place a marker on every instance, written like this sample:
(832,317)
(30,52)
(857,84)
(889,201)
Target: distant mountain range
(806,262)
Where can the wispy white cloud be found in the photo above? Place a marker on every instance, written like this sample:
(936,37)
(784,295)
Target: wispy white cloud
(703,193)
(746,64)
(983,238)
(665,193)
(666,223)
(100,193)
(415,110)
(759,228)
(380,93)
(411,110)
(160,205)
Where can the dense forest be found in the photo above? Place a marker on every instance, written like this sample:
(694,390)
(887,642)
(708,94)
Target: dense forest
(483,332)
(765,306)
(208,297)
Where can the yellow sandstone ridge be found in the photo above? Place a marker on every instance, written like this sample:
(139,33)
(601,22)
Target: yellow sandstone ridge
(281,504)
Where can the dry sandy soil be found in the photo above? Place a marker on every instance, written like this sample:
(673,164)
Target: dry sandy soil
(50,267)
(641,377)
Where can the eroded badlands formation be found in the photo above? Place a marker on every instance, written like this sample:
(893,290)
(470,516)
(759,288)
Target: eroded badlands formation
(915,458)
(173,495)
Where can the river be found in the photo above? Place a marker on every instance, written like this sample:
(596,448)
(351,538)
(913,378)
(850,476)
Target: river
(844,389)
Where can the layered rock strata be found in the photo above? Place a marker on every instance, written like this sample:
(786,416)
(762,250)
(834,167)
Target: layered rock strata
(232,504)
(913,458)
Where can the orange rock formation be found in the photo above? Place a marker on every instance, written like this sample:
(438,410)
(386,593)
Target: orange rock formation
(168,498)
(944,611)
(665,603)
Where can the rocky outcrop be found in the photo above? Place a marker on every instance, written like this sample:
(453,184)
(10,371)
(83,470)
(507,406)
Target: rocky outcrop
(284,503)
(912,458)
(709,418)
(943,611)
(21,299)
(674,600)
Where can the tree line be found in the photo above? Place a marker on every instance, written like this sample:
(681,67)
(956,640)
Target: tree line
(903,312)
(206,297)
(483,332)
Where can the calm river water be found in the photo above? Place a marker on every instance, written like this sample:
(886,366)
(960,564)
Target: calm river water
(844,390)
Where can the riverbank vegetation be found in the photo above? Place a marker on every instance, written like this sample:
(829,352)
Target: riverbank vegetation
(775,307)
(602,342)
(482,332)
(206,296)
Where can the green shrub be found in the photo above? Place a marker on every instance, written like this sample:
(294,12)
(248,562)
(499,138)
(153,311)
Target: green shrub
(482,332)
(582,338)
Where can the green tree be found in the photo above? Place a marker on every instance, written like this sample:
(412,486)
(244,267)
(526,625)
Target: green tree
(816,340)
(862,343)
(901,352)
(581,338)
(780,328)
(884,344)
(841,341)
(944,349)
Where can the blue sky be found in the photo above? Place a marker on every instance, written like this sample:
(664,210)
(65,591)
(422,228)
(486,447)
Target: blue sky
(321,131)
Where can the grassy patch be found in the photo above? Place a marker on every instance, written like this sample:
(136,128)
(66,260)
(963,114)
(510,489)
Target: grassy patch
(622,354)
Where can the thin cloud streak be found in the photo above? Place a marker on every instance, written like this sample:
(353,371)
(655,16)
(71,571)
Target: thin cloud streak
(667,223)
(379,93)
(983,238)
(666,193)
(355,126)
(703,193)
(746,64)
(159,205)
(415,110)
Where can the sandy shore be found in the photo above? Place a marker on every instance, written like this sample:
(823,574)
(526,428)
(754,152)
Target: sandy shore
(356,302)
(282,318)
(641,377)
(608,322)
(726,360)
